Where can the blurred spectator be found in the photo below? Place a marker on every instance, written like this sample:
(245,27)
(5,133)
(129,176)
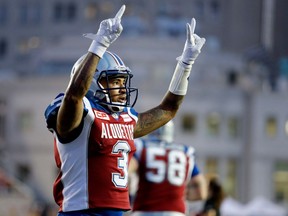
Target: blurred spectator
(215,198)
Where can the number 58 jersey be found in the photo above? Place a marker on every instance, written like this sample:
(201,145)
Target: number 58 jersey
(164,171)
(93,163)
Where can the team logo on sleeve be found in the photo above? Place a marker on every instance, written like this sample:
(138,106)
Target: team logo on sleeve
(101,115)
(126,117)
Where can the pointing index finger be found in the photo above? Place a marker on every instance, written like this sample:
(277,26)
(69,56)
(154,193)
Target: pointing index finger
(120,12)
(193,25)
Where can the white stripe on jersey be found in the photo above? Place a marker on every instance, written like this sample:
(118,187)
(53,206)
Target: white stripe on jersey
(75,192)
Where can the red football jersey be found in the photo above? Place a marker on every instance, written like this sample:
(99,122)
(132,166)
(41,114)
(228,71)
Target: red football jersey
(164,171)
(93,167)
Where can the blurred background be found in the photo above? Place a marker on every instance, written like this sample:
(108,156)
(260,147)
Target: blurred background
(235,113)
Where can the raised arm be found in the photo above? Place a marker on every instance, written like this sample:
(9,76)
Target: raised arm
(160,115)
(71,110)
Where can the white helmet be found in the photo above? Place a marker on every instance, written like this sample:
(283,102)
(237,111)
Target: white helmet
(109,66)
(164,133)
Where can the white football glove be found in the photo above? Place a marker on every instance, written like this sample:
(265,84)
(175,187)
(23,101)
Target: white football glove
(192,46)
(108,32)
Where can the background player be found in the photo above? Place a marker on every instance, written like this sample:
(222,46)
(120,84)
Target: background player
(168,175)
(94,124)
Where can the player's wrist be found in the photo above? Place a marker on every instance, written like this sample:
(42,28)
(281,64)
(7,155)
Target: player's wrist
(179,81)
(97,48)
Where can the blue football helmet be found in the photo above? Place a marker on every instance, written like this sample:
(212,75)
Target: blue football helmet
(110,66)
(164,133)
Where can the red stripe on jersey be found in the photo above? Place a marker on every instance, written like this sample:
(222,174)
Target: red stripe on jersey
(58,186)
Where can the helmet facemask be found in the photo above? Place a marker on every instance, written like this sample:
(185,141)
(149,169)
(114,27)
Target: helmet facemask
(104,95)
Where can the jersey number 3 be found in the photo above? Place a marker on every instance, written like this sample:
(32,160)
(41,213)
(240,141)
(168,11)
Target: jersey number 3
(174,168)
(123,148)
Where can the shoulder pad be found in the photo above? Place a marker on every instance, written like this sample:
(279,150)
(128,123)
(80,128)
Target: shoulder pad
(53,107)
(189,150)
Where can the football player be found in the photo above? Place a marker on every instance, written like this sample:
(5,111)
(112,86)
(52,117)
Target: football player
(93,123)
(167,175)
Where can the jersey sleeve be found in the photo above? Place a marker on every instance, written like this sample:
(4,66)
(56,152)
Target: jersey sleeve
(52,110)
(191,153)
(195,171)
